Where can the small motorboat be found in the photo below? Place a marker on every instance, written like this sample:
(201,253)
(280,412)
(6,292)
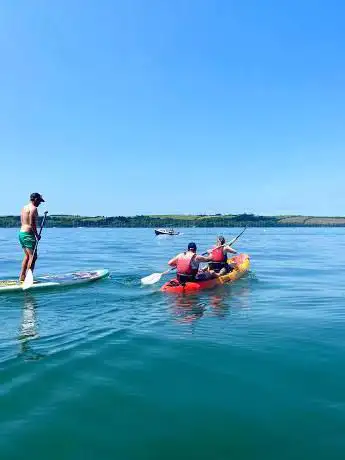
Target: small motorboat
(166,231)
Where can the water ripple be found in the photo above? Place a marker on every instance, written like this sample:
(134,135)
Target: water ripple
(260,359)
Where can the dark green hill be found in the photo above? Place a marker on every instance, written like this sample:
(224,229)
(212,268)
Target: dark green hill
(219,220)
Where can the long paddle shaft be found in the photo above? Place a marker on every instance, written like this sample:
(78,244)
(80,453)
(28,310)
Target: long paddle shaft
(237,237)
(39,234)
(155,277)
(29,278)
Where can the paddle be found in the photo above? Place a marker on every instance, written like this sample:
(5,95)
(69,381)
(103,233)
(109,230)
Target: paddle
(155,277)
(236,238)
(29,278)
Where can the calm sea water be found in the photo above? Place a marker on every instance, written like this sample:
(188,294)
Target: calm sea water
(115,370)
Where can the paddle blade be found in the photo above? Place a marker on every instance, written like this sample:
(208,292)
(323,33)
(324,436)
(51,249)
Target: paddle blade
(29,280)
(151,279)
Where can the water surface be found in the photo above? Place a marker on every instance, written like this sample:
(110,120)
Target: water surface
(117,370)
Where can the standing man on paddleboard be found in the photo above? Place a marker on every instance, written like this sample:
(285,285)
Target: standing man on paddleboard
(28,234)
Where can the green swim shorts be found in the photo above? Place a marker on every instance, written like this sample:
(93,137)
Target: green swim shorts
(27,240)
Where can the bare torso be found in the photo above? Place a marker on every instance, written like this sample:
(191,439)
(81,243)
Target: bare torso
(28,218)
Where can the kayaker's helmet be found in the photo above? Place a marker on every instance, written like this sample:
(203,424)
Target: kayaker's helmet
(192,247)
(221,239)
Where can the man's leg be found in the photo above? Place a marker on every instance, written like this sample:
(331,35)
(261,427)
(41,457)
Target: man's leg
(213,274)
(204,276)
(25,262)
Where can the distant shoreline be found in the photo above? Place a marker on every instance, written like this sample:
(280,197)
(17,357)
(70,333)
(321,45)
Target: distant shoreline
(174,221)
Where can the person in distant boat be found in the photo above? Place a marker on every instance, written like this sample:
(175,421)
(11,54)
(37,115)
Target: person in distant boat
(219,259)
(28,234)
(187,265)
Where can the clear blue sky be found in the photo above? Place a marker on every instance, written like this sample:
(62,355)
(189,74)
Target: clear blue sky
(173,106)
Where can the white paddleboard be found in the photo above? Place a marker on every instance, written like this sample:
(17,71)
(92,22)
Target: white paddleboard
(65,279)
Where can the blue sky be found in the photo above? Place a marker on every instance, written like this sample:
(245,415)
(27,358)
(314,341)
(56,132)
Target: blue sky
(169,106)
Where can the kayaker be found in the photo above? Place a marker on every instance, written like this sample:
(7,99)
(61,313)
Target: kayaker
(28,234)
(219,260)
(187,265)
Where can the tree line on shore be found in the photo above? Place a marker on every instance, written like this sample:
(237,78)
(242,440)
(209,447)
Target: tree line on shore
(173,221)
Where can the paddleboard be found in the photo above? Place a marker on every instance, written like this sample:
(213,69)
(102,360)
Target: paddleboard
(65,279)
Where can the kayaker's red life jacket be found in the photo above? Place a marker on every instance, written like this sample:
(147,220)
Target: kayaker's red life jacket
(218,255)
(184,264)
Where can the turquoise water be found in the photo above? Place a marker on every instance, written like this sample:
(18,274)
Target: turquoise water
(116,370)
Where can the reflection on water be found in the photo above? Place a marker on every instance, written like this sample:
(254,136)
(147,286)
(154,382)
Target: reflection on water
(28,325)
(188,308)
(28,328)
(218,305)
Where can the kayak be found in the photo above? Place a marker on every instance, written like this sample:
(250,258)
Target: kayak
(242,267)
(49,281)
(164,231)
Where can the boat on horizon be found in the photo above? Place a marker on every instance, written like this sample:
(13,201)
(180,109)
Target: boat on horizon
(166,231)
